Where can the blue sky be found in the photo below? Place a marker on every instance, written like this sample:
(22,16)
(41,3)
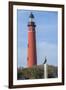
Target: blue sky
(46,36)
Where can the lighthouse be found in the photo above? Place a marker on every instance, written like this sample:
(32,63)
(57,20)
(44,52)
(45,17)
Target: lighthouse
(31,47)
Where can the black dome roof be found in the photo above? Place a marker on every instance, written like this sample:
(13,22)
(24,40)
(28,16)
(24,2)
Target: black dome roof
(31,15)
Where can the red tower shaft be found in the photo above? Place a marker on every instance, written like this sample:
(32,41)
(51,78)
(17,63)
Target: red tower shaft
(32,57)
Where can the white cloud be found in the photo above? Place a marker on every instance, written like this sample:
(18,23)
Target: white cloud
(22,57)
(49,50)
(43,49)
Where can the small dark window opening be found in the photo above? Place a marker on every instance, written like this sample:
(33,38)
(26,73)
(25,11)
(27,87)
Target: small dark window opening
(28,45)
(27,58)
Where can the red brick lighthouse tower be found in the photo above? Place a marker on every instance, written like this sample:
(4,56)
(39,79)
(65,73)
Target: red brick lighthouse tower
(32,57)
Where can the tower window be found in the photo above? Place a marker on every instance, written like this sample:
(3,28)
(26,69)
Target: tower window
(27,58)
(28,45)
